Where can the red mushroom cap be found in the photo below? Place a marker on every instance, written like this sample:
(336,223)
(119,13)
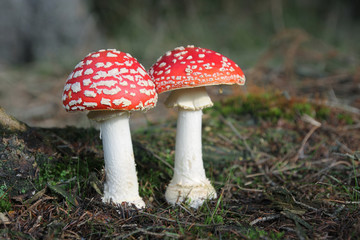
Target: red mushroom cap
(194,67)
(109,80)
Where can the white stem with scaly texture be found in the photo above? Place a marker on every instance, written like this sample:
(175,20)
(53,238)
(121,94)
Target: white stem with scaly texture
(189,181)
(121,180)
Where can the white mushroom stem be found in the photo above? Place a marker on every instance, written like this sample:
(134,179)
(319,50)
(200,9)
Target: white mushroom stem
(121,184)
(189,181)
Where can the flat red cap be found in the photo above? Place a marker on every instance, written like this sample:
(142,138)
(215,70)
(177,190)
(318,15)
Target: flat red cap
(109,80)
(188,67)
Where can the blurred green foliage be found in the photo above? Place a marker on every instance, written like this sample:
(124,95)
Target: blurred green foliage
(269,106)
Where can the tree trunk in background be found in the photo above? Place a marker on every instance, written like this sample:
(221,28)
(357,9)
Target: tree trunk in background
(41,30)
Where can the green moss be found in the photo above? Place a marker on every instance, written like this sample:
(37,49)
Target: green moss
(5,204)
(54,171)
(323,113)
(304,108)
(268,106)
(346,118)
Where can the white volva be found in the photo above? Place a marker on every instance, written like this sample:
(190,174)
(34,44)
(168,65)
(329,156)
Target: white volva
(121,179)
(189,181)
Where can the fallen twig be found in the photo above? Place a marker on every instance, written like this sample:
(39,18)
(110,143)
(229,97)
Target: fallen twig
(316,125)
(264,219)
(342,202)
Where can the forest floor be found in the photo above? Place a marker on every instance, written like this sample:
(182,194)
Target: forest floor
(283,156)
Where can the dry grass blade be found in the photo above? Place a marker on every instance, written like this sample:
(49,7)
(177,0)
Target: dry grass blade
(231,126)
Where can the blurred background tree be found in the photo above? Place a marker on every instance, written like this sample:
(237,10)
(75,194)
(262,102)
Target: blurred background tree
(42,40)
(43,30)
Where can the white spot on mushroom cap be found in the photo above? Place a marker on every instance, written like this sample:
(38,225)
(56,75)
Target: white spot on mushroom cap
(70,76)
(78,73)
(99,64)
(123,70)
(76,87)
(132,86)
(201,55)
(105,101)
(107,83)
(188,70)
(189,57)
(147,91)
(140,105)
(89,62)
(123,83)
(180,48)
(67,87)
(89,71)
(96,55)
(113,72)
(80,64)
(151,71)
(77,108)
(125,102)
(74,102)
(112,91)
(104,74)
(128,77)
(88,93)
(142,71)
(110,54)
(64,96)
(151,101)
(90,104)
(163,64)
(128,63)
(143,83)
(86,82)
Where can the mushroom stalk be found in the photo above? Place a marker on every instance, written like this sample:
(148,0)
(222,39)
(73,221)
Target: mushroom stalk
(189,180)
(121,179)
(189,169)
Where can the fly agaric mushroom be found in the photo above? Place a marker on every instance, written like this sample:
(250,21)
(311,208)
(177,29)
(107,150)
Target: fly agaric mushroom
(110,84)
(186,72)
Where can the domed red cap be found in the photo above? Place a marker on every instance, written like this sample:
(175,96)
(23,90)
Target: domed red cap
(109,80)
(188,67)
